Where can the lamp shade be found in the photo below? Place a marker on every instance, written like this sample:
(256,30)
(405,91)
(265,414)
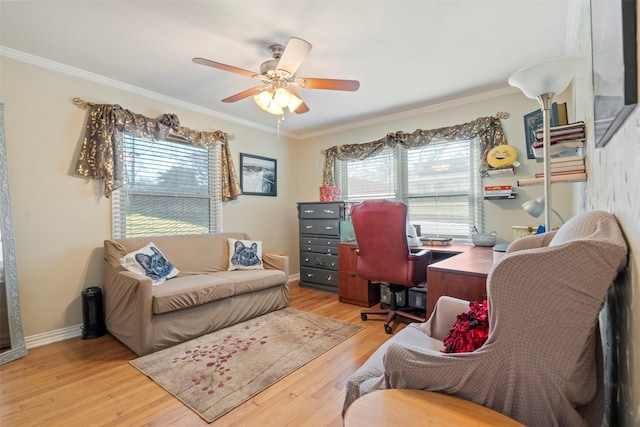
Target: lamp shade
(550,76)
(534,207)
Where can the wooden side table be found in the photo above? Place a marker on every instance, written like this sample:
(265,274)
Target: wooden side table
(409,408)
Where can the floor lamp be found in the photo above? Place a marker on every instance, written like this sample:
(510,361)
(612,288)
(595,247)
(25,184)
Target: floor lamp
(543,81)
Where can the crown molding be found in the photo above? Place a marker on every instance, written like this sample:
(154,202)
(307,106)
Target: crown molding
(413,112)
(383,118)
(86,75)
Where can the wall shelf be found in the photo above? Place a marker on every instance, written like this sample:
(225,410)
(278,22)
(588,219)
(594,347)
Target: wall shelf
(573,177)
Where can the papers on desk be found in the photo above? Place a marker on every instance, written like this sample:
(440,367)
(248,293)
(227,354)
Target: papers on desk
(435,241)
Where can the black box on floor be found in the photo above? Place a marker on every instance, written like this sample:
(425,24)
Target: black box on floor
(418,298)
(385,296)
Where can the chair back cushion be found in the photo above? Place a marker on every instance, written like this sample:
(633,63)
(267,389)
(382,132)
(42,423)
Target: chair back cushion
(380,230)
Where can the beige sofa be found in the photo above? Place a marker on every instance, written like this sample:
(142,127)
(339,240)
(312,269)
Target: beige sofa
(203,298)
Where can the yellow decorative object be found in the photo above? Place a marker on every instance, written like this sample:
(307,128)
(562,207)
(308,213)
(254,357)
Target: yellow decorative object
(502,156)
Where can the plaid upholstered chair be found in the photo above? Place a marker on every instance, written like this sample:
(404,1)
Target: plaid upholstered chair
(542,361)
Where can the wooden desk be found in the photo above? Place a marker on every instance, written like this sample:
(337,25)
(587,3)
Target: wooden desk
(459,270)
(462,276)
(354,290)
(409,408)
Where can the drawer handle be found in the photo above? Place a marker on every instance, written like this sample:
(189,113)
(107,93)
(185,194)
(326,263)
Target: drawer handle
(333,264)
(306,260)
(352,249)
(353,274)
(309,275)
(329,211)
(309,227)
(329,227)
(330,278)
(309,211)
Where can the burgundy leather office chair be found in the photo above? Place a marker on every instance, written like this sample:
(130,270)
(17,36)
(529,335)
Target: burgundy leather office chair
(384,256)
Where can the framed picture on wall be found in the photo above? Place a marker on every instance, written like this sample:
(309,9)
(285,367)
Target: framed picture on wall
(258,175)
(615,66)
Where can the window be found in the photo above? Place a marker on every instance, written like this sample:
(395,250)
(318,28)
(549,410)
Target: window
(439,182)
(172,188)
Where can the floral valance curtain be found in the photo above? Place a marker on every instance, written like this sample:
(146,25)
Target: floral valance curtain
(488,130)
(101,155)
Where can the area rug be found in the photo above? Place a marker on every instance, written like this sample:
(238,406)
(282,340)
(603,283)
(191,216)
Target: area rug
(215,373)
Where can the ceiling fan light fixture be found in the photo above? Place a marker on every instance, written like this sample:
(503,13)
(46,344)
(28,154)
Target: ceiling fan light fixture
(263,99)
(274,108)
(294,103)
(282,97)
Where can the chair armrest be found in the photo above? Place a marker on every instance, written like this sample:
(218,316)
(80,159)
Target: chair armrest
(444,316)
(128,307)
(531,242)
(276,262)
(418,252)
(414,367)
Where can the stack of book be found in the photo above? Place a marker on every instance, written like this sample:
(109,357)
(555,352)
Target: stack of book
(499,192)
(564,139)
(566,165)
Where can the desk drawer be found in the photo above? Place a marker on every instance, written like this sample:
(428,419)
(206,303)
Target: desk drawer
(328,262)
(320,210)
(325,227)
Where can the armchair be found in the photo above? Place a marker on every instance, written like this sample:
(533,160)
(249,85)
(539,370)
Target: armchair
(542,361)
(383,254)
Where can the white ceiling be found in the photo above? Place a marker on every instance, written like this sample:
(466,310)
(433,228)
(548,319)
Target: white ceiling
(406,54)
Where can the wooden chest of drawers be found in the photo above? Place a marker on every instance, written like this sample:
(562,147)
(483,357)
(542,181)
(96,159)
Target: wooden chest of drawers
(319,227)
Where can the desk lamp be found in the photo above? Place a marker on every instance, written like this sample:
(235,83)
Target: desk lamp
(535,207)
(543,81)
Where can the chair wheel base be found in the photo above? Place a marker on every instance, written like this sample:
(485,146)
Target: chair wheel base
(363,316)
(388,329)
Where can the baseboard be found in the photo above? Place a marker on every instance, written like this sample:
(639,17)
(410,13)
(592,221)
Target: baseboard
(294,277)
(53,336)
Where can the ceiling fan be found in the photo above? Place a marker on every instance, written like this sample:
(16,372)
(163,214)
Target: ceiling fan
(278,90)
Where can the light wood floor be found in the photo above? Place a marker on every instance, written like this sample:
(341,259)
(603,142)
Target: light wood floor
(80,382)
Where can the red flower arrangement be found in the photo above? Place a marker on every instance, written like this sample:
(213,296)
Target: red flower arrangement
(470,331)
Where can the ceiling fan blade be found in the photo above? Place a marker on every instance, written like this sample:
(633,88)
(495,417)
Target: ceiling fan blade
(331,84)
(302,108)
(224,67)
(244,94)
(294,54)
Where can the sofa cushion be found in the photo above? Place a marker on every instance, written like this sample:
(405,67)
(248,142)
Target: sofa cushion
(245,255)
(149,261)
(191,254)
(190,291)
(247,281)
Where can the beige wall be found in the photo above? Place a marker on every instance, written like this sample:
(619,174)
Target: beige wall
(499,216)
(59,218)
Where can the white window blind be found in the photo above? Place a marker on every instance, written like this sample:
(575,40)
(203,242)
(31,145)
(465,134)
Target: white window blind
(444,188)
(439,182)
(172,188)
(372,178)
